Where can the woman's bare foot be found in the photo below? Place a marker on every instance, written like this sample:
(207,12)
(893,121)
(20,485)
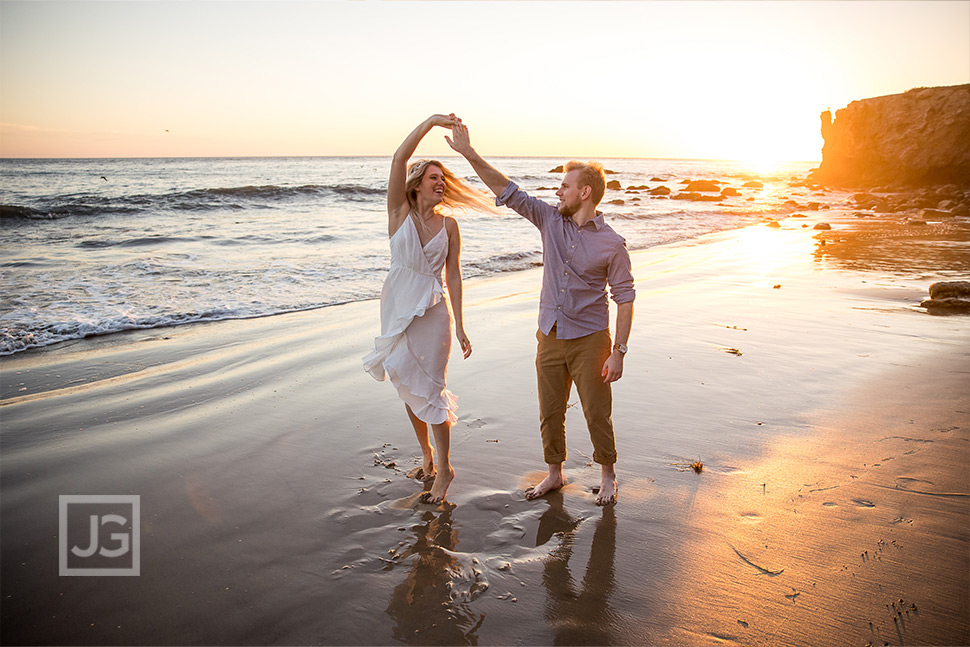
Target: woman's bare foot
(426,472)
(553,481)
(440,486)
(418,474)
(608,488)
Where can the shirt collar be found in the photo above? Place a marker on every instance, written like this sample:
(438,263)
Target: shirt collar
(598,222)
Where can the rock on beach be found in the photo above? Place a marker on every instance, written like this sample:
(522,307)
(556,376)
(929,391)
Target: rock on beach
(949,296)
(949,289)
(709,186)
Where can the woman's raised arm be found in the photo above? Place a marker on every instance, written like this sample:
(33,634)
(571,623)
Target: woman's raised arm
(397,199)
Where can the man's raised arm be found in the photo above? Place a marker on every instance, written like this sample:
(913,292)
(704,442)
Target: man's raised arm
(494,179)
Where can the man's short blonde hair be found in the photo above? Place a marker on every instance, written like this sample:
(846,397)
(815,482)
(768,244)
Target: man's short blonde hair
(590,174)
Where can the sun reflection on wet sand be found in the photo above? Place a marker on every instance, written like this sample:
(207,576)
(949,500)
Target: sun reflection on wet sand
(824,537)
(765,251)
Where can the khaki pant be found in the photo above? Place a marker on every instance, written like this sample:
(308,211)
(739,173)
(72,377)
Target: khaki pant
(559,363)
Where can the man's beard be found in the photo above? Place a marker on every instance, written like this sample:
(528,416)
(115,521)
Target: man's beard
(566,211)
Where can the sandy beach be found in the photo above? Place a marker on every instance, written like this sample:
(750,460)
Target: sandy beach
(829,410)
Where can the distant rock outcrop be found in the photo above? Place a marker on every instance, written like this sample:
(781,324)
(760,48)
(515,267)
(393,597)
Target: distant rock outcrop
(920,137)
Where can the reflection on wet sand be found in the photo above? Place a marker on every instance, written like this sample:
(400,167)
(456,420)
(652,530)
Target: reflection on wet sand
(431,606)
(937,249)
(583,616)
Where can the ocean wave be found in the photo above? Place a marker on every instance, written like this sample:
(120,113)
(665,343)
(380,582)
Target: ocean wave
(143,241)
(14,339)
(209,199)
(510,262)
(58,211)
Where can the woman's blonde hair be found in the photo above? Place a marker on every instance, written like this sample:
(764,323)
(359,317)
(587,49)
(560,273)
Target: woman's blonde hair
(459,197)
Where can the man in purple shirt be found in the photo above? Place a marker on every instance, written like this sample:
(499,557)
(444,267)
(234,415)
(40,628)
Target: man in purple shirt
(581,255)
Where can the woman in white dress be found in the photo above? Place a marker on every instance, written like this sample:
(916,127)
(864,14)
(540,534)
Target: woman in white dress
(415,340)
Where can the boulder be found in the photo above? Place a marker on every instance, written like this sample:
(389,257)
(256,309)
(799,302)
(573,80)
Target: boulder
(823,226)
(697,197)
(660,190)
(613,184)
(918,138)
(774,224)
(617,202)
(932,214)
(730,192)
(960,210)
(754,184)
(950,290)
(948,297)
(558,169)
(704,185)
(946,306)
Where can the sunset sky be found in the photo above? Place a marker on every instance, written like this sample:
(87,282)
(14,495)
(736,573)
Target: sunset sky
(719,80)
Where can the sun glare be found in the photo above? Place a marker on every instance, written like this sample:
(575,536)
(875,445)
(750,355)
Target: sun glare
(767,251)
(764,164)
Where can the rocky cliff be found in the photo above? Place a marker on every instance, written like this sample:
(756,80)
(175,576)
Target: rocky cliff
(917,138)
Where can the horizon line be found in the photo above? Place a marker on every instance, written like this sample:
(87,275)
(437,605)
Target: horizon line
(551,157)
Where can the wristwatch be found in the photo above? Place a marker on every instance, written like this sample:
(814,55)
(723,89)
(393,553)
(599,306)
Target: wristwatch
(620,347)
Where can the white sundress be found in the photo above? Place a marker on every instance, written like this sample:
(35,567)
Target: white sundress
(415,339)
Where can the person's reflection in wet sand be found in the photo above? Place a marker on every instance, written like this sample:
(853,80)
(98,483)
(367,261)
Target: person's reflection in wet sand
(422,605)
(579,617)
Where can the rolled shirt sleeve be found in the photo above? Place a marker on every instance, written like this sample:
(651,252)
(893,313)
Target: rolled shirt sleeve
(620,276)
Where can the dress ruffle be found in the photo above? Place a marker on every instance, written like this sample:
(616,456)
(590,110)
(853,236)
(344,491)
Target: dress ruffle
(413,291)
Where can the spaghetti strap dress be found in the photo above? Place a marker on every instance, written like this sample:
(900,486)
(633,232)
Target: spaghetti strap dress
(415,340)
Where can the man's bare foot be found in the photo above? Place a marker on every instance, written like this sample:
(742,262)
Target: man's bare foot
(608,488)
(440,487)
(554,481)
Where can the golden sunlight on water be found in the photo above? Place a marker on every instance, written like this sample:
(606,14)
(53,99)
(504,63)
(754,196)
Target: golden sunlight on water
(766,251)
(764,161)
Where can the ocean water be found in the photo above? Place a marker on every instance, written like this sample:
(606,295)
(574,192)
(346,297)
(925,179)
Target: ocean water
(92,247)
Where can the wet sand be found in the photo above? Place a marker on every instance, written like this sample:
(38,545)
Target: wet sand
(829,410)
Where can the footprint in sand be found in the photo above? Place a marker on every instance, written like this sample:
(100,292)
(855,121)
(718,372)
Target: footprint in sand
(751,517)
(864,503)
(830,504)
(907,482)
